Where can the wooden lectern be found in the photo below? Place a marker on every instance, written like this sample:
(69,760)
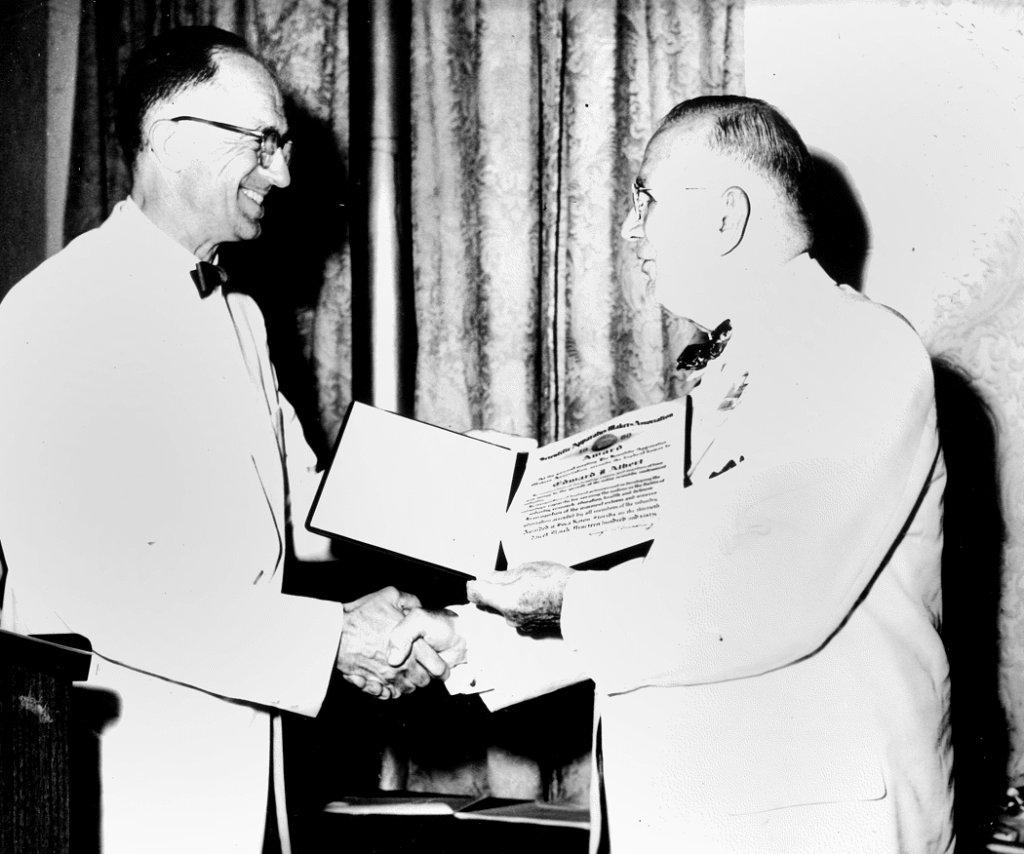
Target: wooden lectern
(35,695)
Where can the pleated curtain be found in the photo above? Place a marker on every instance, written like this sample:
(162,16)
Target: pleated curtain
(529,121)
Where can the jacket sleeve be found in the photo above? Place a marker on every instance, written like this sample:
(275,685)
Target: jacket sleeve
(758,567)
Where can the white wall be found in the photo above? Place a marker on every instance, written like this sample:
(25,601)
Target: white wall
(922,105)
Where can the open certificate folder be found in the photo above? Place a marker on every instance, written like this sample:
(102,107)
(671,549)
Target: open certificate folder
(459,503)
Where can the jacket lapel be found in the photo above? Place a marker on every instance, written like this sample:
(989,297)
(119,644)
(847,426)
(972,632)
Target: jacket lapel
(714,401)
(265,426)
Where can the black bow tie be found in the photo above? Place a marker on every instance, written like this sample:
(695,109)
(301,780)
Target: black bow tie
(696,356)
(208,277)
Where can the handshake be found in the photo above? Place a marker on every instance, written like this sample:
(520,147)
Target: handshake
(391,646)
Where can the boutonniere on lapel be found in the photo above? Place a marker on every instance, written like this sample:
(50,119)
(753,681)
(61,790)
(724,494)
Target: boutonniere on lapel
(695,357)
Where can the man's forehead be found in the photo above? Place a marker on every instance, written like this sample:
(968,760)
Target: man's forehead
(679,155)
(241,92)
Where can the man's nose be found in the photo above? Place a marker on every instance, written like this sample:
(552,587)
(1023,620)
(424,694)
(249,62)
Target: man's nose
(632,226)
(278,170)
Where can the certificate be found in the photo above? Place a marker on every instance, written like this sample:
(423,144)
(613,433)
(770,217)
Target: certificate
(464,505)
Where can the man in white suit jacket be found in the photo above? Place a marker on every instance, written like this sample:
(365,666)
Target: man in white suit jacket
(771,677)
(150,470)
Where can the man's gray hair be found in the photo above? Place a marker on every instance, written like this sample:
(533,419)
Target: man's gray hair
(758,135)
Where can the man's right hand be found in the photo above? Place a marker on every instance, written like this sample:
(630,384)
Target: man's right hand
(362,654)
(367,656)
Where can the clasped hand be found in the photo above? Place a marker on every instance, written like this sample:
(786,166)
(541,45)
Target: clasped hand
(391,646)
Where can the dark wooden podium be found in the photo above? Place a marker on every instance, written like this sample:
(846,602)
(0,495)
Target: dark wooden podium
(35,694)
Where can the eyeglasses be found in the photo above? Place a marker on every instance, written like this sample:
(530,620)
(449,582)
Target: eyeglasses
(640,202)
(642,198)
(271,141)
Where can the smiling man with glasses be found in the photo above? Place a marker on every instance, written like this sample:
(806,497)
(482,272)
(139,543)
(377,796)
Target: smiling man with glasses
(205,180)
(152,475)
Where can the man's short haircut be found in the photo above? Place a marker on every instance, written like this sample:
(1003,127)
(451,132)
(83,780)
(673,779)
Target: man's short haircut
(166,65)
(756,134)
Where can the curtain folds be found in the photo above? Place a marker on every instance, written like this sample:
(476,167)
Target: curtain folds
(529,121)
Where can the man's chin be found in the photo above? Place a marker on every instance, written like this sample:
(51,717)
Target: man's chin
(249,229)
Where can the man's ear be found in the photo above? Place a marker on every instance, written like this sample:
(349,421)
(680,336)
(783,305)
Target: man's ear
(735,213)
(167,146)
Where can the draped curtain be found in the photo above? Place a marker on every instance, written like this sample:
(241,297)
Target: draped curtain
(529,120)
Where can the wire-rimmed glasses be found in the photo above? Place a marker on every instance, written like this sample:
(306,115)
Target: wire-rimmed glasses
(271,140)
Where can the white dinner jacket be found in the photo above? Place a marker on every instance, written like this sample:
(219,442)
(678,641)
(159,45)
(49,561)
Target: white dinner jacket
(143,504)
(771,678)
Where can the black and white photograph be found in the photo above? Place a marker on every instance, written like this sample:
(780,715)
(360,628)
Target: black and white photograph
(572,426)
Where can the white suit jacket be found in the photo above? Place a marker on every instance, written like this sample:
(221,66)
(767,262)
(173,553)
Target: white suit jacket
(771,677)
(144,504)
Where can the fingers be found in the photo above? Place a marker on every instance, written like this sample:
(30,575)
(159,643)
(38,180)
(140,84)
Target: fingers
(387,650)
(406,601)
(369,597)
(405,634)
(391,595)
(429,639)
(400,643)
(414,676)
(436,628)
(498,594)
(429,660)
(454,655)
(368,686)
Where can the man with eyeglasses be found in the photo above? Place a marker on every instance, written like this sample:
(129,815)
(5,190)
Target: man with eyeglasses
(151,474)
(771,678)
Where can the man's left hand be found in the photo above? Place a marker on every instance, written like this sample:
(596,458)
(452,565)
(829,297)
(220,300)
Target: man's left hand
(431,639)
(528,596)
